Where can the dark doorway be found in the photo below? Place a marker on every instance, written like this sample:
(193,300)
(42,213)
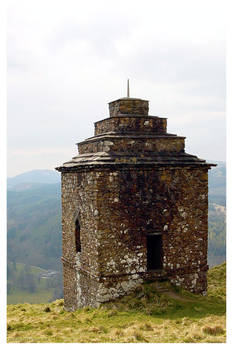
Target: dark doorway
(154,252)
(77,237)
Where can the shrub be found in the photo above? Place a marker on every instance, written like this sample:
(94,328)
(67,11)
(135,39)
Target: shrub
(47,309)
(215,330)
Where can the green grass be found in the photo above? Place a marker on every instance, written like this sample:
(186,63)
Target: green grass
(176,316)
(40,296)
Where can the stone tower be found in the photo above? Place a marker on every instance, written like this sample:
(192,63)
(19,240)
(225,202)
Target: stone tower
(134,208)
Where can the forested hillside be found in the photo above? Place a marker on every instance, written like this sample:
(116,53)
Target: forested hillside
(34,228)
(217,183)
(217,214)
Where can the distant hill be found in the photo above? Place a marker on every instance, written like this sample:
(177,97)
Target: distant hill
(217,214)
(34,226)
(217,183)
(27,179)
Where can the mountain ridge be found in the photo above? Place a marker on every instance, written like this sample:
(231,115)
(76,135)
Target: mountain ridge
(40,176)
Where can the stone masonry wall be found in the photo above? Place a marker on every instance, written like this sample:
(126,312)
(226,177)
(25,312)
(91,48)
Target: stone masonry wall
(141,201)
(148,125)
(117,208)
(78,201)
(160,144)
(133,106)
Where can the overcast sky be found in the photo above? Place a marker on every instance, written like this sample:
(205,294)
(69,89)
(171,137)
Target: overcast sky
(68,59)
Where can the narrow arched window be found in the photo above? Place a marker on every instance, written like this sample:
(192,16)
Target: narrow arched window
(77,236)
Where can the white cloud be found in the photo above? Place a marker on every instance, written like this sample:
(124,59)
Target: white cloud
(68,59)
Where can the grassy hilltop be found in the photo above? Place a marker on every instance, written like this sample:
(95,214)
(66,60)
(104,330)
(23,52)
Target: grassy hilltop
(155,313)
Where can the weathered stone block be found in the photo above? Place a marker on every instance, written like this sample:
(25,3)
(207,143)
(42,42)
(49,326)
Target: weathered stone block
(133,106)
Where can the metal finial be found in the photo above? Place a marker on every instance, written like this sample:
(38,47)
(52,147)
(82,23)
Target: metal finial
(128,88)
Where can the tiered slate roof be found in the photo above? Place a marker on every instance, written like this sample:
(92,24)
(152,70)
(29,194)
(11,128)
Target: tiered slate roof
(132,137)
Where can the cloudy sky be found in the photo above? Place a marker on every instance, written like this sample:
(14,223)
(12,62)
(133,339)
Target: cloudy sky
(68,59)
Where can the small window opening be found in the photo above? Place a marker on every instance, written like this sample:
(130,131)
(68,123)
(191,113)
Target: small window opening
(77,237)
(154,252)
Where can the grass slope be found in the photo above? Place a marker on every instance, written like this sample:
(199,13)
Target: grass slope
(148,315)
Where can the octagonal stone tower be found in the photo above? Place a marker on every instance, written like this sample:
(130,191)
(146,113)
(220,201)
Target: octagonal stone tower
(134,208)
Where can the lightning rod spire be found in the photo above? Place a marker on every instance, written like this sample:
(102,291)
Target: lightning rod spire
(128,88)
